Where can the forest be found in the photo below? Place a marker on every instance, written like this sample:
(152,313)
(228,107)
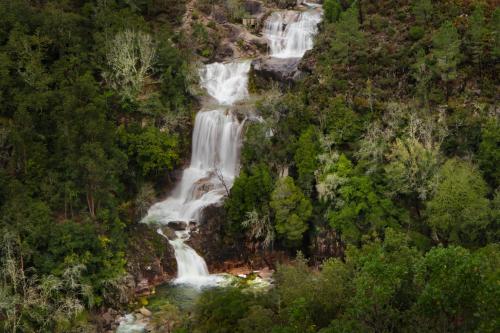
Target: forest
(380,183)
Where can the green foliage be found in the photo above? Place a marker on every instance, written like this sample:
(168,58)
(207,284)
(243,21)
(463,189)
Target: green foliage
(422,9)
(446,51)
(356,206)
(251,191)
(291,210)
(382,286)
(489,153)
(306,159)
(459,211)
(219,310)
(348,37)
(332,10)
(477,33)
(152,150)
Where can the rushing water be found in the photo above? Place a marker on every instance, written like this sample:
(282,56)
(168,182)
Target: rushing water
(214,165)
(291,33)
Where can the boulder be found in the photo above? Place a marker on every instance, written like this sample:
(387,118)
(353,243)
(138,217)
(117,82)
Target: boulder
(177,225)
(252,7)
(145,312)
(224,52)
(276,69)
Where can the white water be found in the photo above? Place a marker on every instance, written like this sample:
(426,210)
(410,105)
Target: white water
(291,33)
(214,165)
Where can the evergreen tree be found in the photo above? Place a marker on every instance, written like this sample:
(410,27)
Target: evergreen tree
(306,159)
(291,211)
(332,10)
(348,36)
(422,9)
(476,36)
(446,52)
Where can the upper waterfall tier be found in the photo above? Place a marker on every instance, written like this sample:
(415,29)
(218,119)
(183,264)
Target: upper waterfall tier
(291,33)
(228,82)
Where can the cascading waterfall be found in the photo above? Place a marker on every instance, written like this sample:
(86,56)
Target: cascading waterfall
(291,33)
(215,146)
(214,165)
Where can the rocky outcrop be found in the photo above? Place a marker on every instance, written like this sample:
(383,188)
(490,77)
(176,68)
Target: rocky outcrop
(285,71)
(225,254)
(150,259)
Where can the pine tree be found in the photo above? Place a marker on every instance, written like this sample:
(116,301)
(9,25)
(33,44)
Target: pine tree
(422,9)
(332,10)
(348,36)
(446,52)
(476,34)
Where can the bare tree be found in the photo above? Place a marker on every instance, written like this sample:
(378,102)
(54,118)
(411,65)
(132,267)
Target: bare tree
(220,176)
(260,228)
(130,58)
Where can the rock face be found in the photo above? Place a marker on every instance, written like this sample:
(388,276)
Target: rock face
(252,7)
(276,69)
(150,259)
(222,255)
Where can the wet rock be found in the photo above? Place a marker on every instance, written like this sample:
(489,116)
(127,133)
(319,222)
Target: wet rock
(177,225)
(150,257)
(223,53)
(276,69)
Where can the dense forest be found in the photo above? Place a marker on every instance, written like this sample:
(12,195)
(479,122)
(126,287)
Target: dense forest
(387,151)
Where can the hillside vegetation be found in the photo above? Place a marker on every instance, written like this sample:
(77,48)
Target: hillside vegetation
(378,171)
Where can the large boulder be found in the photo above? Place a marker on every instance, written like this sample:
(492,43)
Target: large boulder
(150,258)
(276,69)
(252,7)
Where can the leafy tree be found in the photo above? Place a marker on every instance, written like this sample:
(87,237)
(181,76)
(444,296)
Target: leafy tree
(291,210)
(459,210)
(355,205)
(152,150)
(219,310)
(449,281)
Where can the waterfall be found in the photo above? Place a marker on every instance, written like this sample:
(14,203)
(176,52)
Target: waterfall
(291,33)
(214,165)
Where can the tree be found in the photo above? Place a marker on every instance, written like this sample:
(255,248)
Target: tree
(251,191)
(130,57)
(332,10)
(489,152)
(413,159)
(476,35)
(459,211)
(422,9)
(421,72)
(306,159)
(446,52)
(348,37)
(355,204)
(291,210)
(449,281)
